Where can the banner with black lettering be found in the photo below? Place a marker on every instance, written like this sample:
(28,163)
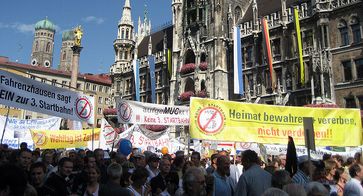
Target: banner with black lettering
(151,114)
(25,93)
(18,130)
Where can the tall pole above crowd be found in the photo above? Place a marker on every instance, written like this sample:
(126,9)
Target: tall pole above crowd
(76,48)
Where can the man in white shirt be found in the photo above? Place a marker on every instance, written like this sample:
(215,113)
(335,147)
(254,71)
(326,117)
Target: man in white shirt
(354,187)
(152,166)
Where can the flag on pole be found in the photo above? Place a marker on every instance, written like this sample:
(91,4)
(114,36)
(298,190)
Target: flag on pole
(136,65)
(291,157)
(151,59)
(266,37)
(237,61)
(169,62)
(299,45)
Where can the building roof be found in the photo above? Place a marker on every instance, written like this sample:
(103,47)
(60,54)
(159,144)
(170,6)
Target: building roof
(45,24)
(266,7)
(68,35)
(157,40)
(103,79)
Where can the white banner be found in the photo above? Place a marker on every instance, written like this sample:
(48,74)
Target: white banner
(139,140)
(18,130)
(25,93)
(300,150)
(272,149)
(151,114)
(108,135)
(142,138)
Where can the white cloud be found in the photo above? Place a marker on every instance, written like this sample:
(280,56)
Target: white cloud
(20,27)
(93,19)
(24,28)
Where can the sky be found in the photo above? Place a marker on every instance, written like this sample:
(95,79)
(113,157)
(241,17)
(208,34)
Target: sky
(98,18)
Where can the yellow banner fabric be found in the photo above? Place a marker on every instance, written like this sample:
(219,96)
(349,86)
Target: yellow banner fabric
(246,122)
(47,139)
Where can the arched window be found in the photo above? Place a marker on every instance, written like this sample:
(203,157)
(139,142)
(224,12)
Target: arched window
(237,13)
(202,85)
(64,56)
(127,33)
(355,25)
(36,46)
(189,57)
(47,48)
(189,85)
(122,34)
(343,28)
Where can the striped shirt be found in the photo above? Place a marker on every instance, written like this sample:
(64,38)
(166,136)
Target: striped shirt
(300,178)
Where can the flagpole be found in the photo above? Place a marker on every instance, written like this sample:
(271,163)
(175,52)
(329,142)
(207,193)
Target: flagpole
(6,122)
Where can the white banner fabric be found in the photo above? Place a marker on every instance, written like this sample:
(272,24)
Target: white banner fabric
(18,130)
(25,93)
(143,138)
(151,114)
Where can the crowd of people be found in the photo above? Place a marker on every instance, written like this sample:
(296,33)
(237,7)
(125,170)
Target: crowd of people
(103,173)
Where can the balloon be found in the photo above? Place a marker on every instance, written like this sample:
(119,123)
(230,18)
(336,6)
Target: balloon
(125,147)
(164,150)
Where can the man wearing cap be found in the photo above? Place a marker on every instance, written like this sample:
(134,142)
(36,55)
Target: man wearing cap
(152,166)
(302,175)
(139,159)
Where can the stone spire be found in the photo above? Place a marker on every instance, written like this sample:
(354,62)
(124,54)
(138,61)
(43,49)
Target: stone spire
(126,15)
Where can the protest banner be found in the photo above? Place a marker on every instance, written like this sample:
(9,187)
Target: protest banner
(25,93)
(47,139)
(18,130)
(143,138)
(153,114)
(139,140)
(246,122)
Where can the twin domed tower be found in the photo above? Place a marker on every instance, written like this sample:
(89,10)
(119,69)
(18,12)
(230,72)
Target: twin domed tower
(43,46)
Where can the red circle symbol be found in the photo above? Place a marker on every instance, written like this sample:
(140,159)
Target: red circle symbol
(125,111)
(83,108)
(110,134)
(245,145)
(210,120)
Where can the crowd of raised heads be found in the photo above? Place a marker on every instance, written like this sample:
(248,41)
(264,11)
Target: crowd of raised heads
(99,172)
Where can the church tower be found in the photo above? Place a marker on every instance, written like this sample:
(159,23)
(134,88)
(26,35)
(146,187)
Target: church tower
(124,46)
(66,51)
(43,44)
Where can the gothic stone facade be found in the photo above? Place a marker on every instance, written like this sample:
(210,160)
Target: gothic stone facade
(332,51)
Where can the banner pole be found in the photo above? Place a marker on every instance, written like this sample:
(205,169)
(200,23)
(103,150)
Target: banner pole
(93,136)
(6,122)
(188,144)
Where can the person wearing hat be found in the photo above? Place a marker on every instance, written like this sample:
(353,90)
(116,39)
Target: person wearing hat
(302,175)
(139,159)
(152,166)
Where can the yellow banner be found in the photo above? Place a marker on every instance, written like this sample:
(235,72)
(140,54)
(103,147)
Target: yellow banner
(47,139)
(245,122)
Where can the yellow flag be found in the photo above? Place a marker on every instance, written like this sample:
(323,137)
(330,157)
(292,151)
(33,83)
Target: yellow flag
(299,45)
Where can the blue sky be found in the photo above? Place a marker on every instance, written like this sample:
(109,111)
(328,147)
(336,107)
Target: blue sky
(99,19)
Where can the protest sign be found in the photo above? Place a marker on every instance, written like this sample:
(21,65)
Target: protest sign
(142,138)
(47,139)
(152,114)
(246,122)
(18,130)
(25,93)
